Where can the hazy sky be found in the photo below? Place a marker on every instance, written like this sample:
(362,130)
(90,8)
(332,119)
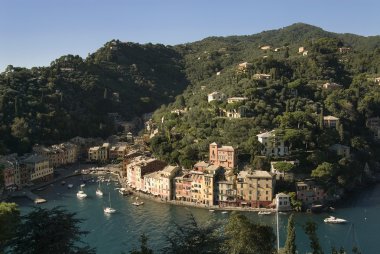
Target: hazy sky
(35,32)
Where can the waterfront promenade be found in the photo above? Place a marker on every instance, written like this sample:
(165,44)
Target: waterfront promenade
(184,203)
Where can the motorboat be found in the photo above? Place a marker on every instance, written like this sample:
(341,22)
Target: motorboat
(63,182)
(264,213)
(211,211)
(224,212)
(109,209)
(70,185)
(334,220)
(137,202)
(124,191)
(81,194)
(317,208)
(82,185)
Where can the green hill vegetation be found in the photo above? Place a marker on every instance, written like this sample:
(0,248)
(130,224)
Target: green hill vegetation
(73,95)
(292,100)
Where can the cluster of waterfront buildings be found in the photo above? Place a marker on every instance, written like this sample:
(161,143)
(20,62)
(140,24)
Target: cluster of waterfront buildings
(38,166)
(208,183)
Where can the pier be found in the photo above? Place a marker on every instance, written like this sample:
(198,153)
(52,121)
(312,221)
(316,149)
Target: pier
(28,194)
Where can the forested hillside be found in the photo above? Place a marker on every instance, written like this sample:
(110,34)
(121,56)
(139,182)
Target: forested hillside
(73,95)
(290,99)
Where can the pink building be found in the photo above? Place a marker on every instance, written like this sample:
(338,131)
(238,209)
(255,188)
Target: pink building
(309,192)
(140,166)
(223,156)
(9,175)
(182,187)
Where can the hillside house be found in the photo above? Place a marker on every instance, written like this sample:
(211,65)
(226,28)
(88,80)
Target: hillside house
(331,86)
(215,96)
(282,175)
(330,121)
(261,76)
(374,125)
(236,99)
(341,150)
(273,145)
(344,50)
(243,67)
(265,47)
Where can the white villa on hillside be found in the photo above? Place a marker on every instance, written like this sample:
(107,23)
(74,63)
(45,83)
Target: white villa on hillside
(215,96)
(273,146)
(331,86)
(236,99)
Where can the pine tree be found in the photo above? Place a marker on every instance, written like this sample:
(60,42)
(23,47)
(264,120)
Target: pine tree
(340,131)
(290,244)
(286,54)
(310,229)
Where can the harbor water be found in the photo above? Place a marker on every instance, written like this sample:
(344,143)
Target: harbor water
(120,232)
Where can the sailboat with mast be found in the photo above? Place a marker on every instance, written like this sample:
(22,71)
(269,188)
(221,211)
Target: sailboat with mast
(109,209)
(99,192)
(81,194)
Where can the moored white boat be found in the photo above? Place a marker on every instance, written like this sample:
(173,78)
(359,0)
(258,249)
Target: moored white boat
(70,185)
(137,202)
(81,194)
(82,185)
(224,212)
(109,209)
(99,193)
(334,220)
(264,213)
(211,211)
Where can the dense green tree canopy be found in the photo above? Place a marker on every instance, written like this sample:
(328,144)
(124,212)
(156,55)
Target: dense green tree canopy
(45,231)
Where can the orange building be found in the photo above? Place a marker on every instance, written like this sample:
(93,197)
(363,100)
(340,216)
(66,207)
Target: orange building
(223,156)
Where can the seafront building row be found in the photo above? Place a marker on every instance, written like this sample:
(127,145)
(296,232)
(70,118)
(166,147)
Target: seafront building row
(38,166)
(207,183)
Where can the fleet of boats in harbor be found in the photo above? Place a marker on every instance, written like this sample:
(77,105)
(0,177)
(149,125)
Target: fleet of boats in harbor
(123,191)
(99,193)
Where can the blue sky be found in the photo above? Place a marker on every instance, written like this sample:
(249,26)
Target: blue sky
(35,32)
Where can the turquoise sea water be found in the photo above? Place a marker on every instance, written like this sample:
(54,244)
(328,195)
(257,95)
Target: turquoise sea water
(120,231)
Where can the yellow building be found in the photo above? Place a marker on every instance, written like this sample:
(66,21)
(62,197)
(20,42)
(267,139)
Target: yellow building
(118,152)
(203,185)
(99,153)
(39,168)
(255,188)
